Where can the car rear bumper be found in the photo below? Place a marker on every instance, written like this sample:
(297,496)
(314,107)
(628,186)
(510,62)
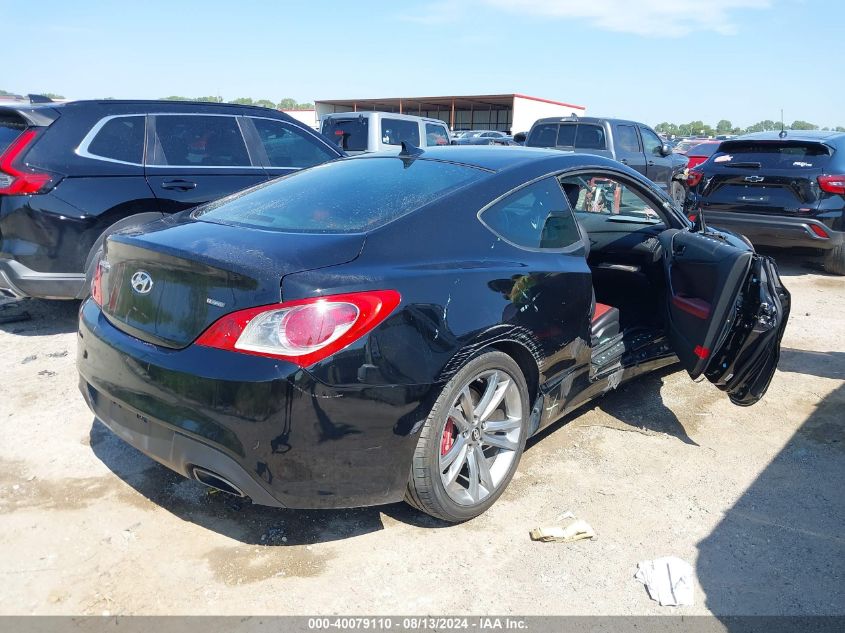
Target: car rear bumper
(16,280)
(267,427)
(772,230)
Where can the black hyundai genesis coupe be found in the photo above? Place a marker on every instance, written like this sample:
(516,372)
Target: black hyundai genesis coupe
(389,327)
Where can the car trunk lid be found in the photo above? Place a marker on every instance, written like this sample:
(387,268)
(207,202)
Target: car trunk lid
(165,284)
(765,177)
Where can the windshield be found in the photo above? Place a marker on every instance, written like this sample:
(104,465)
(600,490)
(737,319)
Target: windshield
(347,196)
(349,134)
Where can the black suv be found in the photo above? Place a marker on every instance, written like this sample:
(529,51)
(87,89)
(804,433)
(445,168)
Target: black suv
(778,189)
(634,144)
(72,173)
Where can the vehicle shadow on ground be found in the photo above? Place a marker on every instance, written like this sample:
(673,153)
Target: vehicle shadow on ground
(794,262)
(238,518)
(38,317)
(780,549)
(822,364)
(635,406)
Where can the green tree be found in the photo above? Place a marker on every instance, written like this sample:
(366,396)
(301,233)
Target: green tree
(265,103)
(803,125)
(175,98)
(287,104)
(242,101)
(669,129)
(53,95)
(839,128)
(763,126)
(5,94)
(724,126)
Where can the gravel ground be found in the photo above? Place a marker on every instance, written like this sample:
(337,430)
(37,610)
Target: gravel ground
(751,497)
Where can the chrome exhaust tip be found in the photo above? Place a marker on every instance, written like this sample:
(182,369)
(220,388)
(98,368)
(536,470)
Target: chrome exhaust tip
(213,480)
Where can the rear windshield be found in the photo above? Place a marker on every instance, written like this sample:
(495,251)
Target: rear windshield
(578,135)
(11,125)
(349,134)
(348,196)
(772,154)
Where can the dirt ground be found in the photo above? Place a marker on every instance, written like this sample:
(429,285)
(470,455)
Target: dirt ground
(753,498)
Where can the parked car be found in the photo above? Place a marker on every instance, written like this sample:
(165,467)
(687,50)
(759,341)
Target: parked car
(359,132)
(72,173)
(682,147)
(302,344)
(482,137)
(697,154)
(633,144)
(778,189)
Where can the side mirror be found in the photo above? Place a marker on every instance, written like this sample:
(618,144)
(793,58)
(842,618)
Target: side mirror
(665,150)
(520,137)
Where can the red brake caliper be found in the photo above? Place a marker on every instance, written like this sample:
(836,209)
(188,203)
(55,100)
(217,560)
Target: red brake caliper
(448,439)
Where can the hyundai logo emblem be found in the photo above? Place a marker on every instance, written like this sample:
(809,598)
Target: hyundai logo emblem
(754,179)
(141,282)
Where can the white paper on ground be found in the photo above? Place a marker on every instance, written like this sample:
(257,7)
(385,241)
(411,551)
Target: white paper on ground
(669,580)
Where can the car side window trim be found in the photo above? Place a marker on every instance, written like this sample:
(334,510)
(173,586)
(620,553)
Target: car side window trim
(299,128)
(254,163)
(573,248)
(83,151)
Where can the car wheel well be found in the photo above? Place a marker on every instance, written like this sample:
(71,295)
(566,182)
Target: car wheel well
(527,363)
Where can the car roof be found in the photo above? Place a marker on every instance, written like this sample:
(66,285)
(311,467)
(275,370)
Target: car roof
(792,135)
(499,158)
(584,119)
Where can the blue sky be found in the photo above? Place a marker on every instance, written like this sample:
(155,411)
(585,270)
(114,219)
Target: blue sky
(651,60)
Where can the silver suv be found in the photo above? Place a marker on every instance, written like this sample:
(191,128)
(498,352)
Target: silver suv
(359,132)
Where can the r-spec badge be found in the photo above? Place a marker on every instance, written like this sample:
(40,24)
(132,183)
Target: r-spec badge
(754,179)
(141,282)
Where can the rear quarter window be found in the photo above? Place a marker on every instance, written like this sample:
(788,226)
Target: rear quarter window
(347,196)
(543,135)
(120,139)
(395,131)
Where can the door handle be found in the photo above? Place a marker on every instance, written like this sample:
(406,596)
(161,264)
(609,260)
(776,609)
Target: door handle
(651,163)
(624,161)
(179,185)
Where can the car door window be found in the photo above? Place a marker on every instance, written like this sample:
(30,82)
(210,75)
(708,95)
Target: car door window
(627,139)
(394,131)
(288,147)
(119,139)
(535,217)
(651,142)
(436,134)
(199,141)
(605,195)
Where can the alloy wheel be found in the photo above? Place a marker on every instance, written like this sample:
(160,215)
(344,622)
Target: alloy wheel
(481,437)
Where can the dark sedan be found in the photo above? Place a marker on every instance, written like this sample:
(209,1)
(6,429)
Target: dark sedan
(389,327)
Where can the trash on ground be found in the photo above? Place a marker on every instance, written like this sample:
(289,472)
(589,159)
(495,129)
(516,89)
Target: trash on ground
(575,531)
(669,580)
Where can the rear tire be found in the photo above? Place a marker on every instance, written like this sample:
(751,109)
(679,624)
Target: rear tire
(463,463)
(834,260)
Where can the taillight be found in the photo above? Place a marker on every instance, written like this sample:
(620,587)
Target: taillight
(97,285)
(694,177)
(832,184)
(304,331)
(819,231)
(17,178)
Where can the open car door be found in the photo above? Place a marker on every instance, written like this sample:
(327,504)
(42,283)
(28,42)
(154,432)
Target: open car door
(727,311)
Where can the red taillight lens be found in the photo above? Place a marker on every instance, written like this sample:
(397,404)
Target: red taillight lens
(302,332)
(97,285)
(15,177)
(815,228)
(694,177)
(832,184)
